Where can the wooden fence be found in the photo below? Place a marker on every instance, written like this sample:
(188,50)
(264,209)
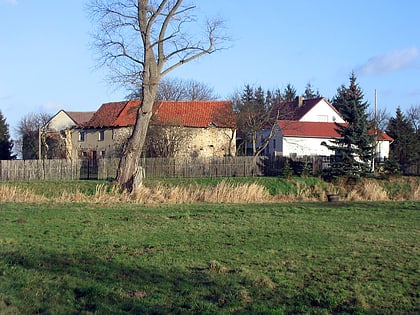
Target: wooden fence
(103,169)
(57,169)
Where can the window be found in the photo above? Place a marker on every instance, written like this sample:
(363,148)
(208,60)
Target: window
(101,135)
(322,118)
(82,136)
(274,144)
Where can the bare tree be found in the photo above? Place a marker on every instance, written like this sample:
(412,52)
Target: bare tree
(176,89)
(380,119)
(171,89)
(413,115)
(27,131)
(254,112)
(142,41)
(198,91)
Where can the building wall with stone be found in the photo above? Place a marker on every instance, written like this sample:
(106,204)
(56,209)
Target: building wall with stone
(109,142)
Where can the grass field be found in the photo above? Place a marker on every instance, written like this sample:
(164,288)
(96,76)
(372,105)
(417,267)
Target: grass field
(292,258)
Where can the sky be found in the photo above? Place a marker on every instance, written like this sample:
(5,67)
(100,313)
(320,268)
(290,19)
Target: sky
(47,63)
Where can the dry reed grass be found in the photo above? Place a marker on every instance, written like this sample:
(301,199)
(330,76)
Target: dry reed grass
(223,192)
(15,194)
(368,190)
(416,191)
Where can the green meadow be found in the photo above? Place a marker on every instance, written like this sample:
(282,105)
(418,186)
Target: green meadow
(210,258)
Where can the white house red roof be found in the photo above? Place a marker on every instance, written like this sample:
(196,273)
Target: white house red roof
(306,129)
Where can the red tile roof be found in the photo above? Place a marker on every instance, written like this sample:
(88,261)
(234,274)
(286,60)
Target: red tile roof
(185,113)
(127,115)
(106,115)
(381,135)
(195,113)
(295,128)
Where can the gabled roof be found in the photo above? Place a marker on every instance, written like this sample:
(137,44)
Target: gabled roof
(306,106)
(195,113)
(71,119)
(106,115)
(296,109)
(380,135)
(80,117)
(184,113)
(295,128)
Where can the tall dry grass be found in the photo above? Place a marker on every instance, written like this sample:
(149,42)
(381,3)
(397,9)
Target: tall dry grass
(368,190)
(15,194)
(223,192)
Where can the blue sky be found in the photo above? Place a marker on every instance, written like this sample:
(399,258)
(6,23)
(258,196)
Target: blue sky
(46,63)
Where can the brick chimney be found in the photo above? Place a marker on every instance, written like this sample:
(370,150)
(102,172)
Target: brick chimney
(299,101)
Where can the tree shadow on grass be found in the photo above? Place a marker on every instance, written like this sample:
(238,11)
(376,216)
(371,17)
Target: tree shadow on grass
(49,282)
(87,284)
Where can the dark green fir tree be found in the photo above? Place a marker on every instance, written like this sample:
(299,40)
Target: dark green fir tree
(354,147)
(6,144)
(309,92)
(404,147)
(289,93)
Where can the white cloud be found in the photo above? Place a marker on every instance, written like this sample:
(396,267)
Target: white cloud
(390,62)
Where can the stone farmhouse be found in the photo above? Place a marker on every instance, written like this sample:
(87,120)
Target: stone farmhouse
(306,125)
(199,128)
(55,134)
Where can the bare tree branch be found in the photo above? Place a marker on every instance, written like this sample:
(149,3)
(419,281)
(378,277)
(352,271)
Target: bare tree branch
(141,41)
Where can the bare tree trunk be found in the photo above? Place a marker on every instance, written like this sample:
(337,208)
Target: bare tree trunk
(157,26)
(130,173)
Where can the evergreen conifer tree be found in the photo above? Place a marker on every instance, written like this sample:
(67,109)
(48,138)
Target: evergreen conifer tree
(6,144)
(354,148)
(289,93)
(309,92)
(404,147)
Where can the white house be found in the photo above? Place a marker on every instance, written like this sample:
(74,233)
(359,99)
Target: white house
(66,120)
(312,122)
(300,138)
